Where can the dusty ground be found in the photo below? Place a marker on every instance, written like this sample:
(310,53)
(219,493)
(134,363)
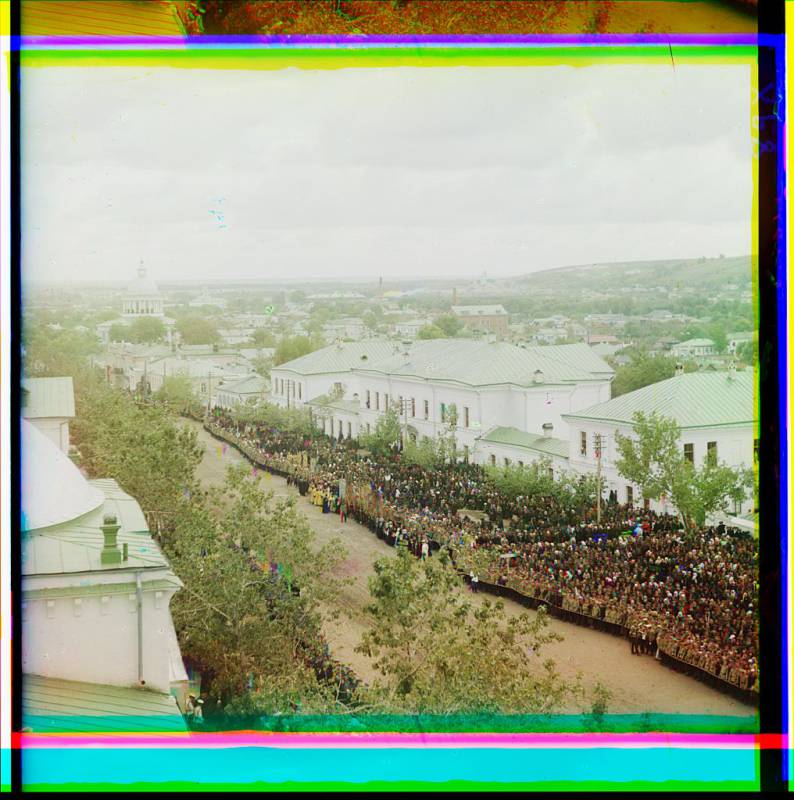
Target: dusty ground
(636,683)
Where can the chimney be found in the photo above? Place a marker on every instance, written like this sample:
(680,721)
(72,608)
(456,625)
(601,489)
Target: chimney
(548,428)
(679,368)
(537,376)
(110,550)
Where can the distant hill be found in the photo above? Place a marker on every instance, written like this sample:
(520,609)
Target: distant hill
(697,273)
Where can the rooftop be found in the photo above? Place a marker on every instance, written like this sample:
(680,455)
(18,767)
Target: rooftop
(143,286)
(52,705)
(47,397)
(475,311)
(697,343)
(342,357)
(253,384)
(528,441)
(693,400)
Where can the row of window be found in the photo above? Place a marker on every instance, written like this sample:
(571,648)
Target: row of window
(407,407)
(293,388)
(689,448)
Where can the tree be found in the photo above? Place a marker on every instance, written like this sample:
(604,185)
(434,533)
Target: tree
(177,393)
(292,347)
(440,653)
(263,338)
(449,323)
(251,627)
(386,433)
(747,352)
(430,332)
(424,453)
(197,330)
(119,332)
(653,460)
(446,442)
(643,370)
(53,353)
(533,480)
(716,333)
(146,330)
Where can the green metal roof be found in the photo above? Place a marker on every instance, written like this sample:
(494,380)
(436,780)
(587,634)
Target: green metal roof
(76,546)
(693,400)
(696,343)
(253,384)
(341,357)
(52,705)
(528,441)
(478,363)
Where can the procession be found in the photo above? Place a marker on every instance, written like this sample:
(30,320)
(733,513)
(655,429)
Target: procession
(684,597)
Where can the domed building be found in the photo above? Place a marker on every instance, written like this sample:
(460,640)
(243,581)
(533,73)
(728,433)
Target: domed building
(143,297)
(99,648)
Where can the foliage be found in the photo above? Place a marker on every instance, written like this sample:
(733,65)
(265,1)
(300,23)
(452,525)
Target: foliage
(424,453)
(146,330)
(177,393)
(292,347)
(450,324)
(434,647)
(53,353)
(236,621)
(747,352)
(653,459)
(197,330)
(386,433)
(643,370)
(430,332)
(263,338)
(291,420)
(139,445)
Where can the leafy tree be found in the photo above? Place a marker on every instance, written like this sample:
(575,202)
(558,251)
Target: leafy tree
(53,353)
(424,453)
(119,332)
(146,330)
(386,433)
(177,393)
(436,650)
(297,296)
(430,332)
(716,333)
(263,338)
(653,459)
(237,620)
(531,480)
(197,330)
(449,323)
(294,420)
(293,347)
(643,370)
(446,441)
(747,352)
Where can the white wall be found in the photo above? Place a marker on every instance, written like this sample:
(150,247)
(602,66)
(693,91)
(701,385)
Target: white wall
(56,429)
(97,642)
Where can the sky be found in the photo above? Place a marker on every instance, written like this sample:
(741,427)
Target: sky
(359,173)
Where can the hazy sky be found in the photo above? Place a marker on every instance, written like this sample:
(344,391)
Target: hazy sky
(367,172)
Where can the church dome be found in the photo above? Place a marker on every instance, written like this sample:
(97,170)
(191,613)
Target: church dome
(53,490)
(143,286)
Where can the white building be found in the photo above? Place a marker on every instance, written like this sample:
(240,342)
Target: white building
(490,384)
(735,340)
(49,404)
(98,640)
(248,391)
(693,348)
(716,412)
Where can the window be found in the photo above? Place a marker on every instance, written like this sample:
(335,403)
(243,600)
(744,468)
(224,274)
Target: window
(203,387)
(403,407)
(427,410)
(521,464)
(755,450)
(711,452)
(367,403)
(369,428)
(413,406)
(551,473)
(583,443)
(465,416)
(300,391)
(385,402)
(689,453)
(377,401)
(597,445)
(630,495)
(349,430)
(507,462)
(466,453)
(493,461)
(443,412)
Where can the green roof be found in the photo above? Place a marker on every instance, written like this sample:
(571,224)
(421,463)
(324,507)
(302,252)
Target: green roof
(341,357)
(52,705)
(528,441)
(696,343)
(76,546)
(253,384)
(694,400)
(479,363)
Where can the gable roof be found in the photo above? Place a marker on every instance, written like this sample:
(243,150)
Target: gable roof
(53,705)
(693,400)
(479,363)
(253,384)
(48,397)
(342,357)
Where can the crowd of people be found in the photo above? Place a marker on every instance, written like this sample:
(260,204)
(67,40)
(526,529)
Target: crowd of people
(687,597)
